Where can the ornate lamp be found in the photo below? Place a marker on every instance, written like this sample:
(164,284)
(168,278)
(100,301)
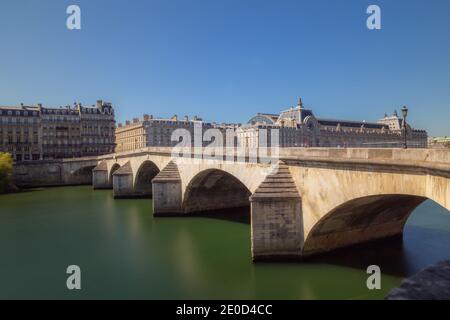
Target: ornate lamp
(405,114)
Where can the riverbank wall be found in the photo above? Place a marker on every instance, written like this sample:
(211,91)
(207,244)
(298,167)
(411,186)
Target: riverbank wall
(54,173)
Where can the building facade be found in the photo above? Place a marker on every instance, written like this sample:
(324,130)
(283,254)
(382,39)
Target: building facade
(298,127)
(156,132)
(439,142)
(41,133)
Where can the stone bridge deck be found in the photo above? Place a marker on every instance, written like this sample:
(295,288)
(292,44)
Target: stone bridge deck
(302,201)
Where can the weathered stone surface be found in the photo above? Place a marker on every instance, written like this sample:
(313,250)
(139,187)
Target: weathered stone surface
(124,170)
(432,283)
(167,194)
(102,166)
(100,176)
(53,173)
(169,173)
(278,184)
(276,215)
(123,182)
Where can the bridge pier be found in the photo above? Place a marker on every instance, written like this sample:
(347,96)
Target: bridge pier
(167,195)
(100,176)
(276,218)
(123,182)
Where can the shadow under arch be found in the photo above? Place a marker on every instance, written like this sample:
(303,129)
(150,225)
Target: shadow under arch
(114,168)
(218,194)
(360,221)
(82,175)
(144,176)
(425,240)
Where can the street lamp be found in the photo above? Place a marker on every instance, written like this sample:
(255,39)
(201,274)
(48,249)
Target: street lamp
(405,114)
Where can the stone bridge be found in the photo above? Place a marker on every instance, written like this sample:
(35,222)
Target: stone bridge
(307,202)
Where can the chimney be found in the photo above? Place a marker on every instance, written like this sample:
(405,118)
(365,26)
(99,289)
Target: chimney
(127,122)
(186,118)
(99,104)
(135,120)
(146,117)
(119,125)
(174,118)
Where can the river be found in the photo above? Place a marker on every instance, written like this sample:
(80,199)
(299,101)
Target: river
(125,253)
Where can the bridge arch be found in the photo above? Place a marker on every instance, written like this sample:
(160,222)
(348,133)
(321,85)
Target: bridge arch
(82,175)
(114,168)
(144,176)
(361,220)
(86,170)
(215,189)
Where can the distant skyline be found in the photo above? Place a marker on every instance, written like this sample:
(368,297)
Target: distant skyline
(227,60)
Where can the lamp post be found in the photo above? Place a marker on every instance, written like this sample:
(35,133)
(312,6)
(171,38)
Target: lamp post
(405,114)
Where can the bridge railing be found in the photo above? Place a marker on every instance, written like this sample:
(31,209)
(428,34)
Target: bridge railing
(422,155)
(266,155)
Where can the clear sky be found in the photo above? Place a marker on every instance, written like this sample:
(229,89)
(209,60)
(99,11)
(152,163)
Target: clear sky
(225,60)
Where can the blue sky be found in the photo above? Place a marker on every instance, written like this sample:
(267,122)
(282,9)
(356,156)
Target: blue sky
(227,60)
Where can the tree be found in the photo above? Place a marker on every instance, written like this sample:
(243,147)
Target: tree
(6,168)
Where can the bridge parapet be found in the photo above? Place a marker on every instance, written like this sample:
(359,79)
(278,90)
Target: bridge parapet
(408,155)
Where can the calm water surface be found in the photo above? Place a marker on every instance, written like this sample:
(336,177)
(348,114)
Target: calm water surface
(125,253)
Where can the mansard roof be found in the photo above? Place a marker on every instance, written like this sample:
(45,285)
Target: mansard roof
(27,111)
(65,110)
(268,118)
(351,124)
(60,110)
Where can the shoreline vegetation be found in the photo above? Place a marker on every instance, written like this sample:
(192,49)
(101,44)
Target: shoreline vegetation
(6,173)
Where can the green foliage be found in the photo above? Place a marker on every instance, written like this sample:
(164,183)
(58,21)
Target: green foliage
(6,167)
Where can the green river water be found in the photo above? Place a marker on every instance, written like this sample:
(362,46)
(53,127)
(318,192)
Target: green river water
(125,253)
